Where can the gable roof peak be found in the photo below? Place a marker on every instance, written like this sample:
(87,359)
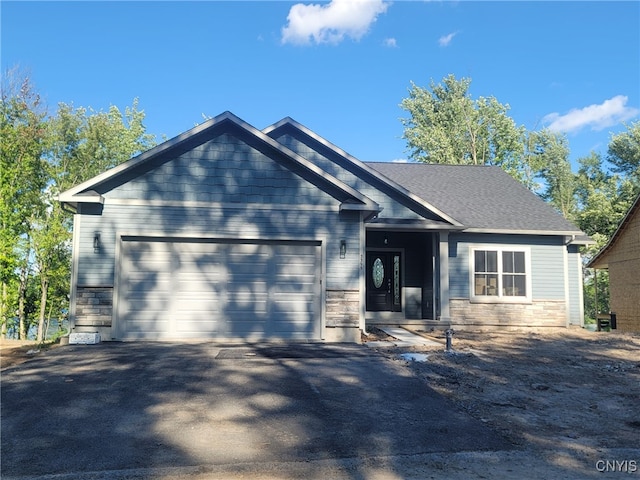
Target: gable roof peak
(202,133)
(321,144)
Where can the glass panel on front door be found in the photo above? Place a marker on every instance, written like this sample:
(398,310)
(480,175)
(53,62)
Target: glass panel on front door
(378,272)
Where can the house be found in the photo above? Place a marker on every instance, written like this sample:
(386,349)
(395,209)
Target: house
(230,232)
(621,256)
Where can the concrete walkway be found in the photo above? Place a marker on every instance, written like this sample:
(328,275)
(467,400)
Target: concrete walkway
(403,338)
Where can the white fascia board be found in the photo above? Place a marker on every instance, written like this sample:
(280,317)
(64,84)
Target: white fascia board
(573,240)
(360,207)
(363,166)
(412,228)
(84,198)
(523,232)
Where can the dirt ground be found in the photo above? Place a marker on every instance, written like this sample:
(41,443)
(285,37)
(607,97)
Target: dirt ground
(571,391)
(13,352)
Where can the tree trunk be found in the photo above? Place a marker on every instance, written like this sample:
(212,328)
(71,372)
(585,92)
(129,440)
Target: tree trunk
(44,285)
(22,294)
(3,312)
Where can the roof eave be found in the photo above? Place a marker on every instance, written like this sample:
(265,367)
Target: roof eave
(413,228)
(512,231)
(74,200)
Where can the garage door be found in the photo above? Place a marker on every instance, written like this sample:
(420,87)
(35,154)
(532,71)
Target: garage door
(218,289)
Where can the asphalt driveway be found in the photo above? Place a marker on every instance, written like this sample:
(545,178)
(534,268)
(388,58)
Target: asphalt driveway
(148,410)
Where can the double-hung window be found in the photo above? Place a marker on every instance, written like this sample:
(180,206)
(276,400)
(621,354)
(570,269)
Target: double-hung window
(500,274)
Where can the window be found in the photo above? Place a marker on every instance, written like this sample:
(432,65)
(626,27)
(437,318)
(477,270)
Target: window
(500,274)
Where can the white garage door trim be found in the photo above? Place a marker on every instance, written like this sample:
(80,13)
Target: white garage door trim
(217,288)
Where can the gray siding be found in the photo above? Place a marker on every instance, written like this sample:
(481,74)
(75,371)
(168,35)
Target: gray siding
(576,312)
(223,170)
(392,208)
(548,271)
(97,269)
(547,263)
(223,188)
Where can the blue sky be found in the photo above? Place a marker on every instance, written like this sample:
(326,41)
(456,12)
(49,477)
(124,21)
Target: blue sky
(341,68)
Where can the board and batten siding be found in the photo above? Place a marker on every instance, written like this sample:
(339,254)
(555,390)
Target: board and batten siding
(548,305)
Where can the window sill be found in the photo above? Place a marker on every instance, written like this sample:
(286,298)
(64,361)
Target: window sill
(502,300)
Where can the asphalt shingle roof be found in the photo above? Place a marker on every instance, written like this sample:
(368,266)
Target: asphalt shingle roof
(480,197)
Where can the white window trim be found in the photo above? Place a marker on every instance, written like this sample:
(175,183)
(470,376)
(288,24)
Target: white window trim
(500,298)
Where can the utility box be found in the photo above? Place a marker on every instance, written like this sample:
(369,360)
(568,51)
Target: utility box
(84,338)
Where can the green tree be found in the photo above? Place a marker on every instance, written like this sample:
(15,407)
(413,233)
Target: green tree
(83,143)
(22,179)
(624,153)
(52,259)
(603,198)
(41,157)
(87,143)
(447,126)
(549,158)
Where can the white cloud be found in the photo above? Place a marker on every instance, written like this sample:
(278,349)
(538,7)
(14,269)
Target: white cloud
(332,22)
(445,40)
(598,117)
(400,160)
(390,42)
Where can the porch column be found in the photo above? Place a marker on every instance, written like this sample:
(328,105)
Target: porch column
(444,276)
(362,273)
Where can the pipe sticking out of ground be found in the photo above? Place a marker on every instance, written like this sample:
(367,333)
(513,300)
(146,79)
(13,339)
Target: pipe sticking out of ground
(449,336)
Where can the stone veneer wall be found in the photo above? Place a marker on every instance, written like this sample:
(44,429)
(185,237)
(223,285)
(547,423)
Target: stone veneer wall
(94,307)
(343,308)
(540,313)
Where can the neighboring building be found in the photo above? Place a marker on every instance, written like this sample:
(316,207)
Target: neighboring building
(227,231)
(621,256)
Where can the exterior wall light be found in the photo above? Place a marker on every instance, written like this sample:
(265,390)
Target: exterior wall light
(96,242)
(343,248)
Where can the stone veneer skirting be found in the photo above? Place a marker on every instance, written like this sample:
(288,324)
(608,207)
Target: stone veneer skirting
(540,313)
(94,306)
(343,308)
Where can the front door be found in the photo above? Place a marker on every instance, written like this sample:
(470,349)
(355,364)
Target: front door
(383,281)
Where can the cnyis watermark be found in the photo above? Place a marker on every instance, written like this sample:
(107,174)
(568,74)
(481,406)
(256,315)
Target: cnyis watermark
(623,466)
